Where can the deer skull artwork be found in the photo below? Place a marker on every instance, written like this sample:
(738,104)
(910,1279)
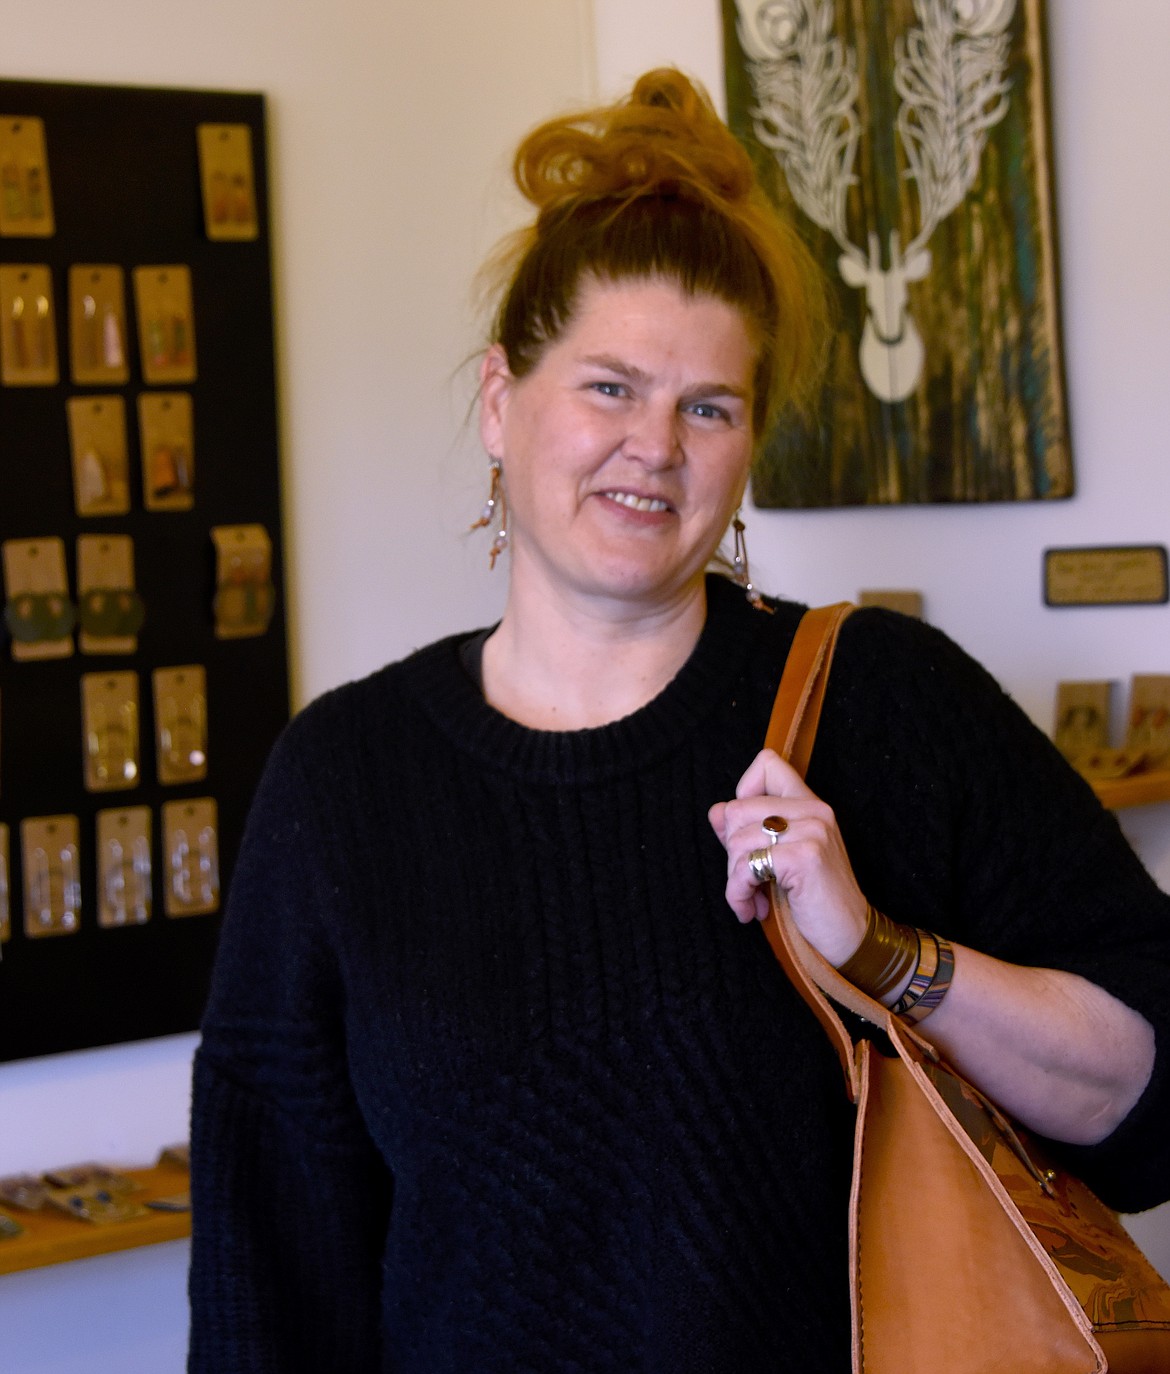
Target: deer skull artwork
(949,76)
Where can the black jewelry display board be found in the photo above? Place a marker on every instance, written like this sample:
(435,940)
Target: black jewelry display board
(99,950)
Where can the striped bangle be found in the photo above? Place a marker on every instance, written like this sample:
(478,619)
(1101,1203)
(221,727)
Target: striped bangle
(931,979)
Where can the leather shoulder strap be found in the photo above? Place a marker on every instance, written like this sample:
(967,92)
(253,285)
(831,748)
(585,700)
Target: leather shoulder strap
(796,711)
(792,733)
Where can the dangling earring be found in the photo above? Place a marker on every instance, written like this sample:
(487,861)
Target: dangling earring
(496,498)
(739,567)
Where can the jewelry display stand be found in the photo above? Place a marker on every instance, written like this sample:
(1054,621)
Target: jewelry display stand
(51,1237)
(143,660)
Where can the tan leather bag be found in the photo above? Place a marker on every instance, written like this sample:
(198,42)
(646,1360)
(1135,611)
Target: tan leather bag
(969,1252)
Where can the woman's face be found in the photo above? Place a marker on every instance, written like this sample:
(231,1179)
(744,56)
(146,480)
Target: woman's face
(626,450)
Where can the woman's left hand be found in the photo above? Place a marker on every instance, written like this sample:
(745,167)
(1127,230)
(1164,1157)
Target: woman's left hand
(1057,1052)
(809,858)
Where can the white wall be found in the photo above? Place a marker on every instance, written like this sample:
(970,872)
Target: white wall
(398,120)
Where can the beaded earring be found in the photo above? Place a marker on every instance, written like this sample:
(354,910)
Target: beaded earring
(496,499)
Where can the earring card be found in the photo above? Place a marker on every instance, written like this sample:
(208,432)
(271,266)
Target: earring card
(109,611)
(1149,717)
(109,721)
(225,171)
(52,876)
(167,425)
(905,602)
(26,201)
(191,850)
(28,342)
(166,323)
(124,881)
(180,718)
(97,326)
(38,613)
(245,597)
(1082,718)
(144,327)
(99,455)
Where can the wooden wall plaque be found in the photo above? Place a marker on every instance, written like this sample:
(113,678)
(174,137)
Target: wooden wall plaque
(1134,575)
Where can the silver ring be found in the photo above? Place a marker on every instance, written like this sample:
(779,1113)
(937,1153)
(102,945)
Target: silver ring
(760,863)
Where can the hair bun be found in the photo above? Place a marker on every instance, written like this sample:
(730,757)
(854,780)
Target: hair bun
(656,186)
(665,139)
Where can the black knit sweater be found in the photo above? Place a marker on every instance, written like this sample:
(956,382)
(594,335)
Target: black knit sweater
(492,1080)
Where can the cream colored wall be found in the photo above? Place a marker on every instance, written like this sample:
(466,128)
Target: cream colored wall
(391,127)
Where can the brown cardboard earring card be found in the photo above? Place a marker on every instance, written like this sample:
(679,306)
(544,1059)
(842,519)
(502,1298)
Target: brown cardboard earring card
(1149,717)
(905,602)
(28,340)
(97,326)
(180,719)
(166,424)
(109,610)
(5,886)
(1082,718)
(166,323)
(229,189)
(37,610)
(124,867)
(245,596)
(109,723)
(101,467)
(1082,732)
(191,854)
(26,204)
(52,875)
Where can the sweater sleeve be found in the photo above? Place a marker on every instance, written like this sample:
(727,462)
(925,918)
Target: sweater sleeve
(290,1197)
(967,819)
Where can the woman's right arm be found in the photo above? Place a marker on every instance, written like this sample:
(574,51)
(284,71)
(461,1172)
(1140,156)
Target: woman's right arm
(290,1197)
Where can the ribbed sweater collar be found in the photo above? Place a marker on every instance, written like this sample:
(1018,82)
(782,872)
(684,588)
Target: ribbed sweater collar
(448,696)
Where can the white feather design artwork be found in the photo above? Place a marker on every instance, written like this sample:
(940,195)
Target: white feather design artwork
(949,75)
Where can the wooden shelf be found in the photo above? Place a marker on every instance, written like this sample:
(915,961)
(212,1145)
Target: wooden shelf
(1140,790)
(52,1237)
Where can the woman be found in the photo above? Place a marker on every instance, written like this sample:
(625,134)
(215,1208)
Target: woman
(490,1078)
